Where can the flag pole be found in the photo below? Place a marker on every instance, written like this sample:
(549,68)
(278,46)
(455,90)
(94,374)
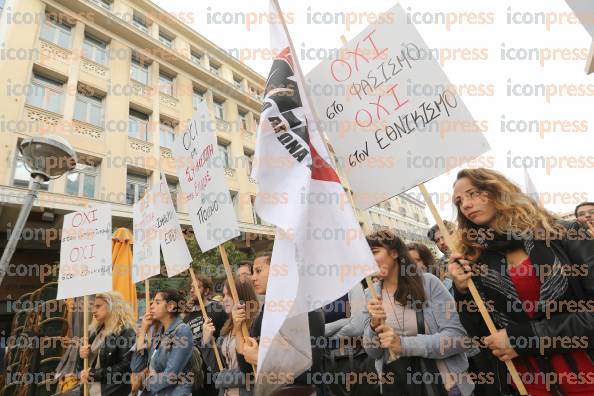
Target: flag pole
(233,287)
(86,338)
(323,138)
(471,286)
(205,316)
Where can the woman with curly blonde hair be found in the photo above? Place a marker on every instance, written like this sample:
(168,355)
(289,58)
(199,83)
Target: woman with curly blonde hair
(111,339)
(534,272)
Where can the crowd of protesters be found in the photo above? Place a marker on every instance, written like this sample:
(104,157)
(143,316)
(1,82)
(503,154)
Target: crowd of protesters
(415,331)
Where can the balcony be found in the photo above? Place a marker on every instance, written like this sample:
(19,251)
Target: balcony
(139,145)
(93,68)
(88,130)
(168,100)
(46,120)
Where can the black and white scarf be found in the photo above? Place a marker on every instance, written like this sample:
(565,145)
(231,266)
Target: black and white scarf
(498,280)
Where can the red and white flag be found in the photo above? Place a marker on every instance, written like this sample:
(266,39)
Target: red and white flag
(320,251)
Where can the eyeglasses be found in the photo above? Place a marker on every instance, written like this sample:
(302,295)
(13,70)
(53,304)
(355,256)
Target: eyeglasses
(585,212)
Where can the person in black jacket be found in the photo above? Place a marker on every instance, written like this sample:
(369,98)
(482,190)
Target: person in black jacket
(111,339)
(536,275)
(216,314)
(247,350)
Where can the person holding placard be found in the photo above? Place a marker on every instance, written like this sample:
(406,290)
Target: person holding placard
(247,350)
(537,275)
(169,357)
(109,350)
(415,319)
(231,381)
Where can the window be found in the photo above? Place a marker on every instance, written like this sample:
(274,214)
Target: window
(55,31)
(82,181)
(166,39)
(219,111)
(197,98)
(46,93)
(165,84)
(256,121)
(103,3)
(173,191)
(95,49)
(2,5)
(402,211)
(235,201)
(237,82)
(243,122)
(249,162)
(138,125)
(21,174)
(256,218)
(139,21)
(139,71)
(136,186)
(224,154)
(215,69)
(167,135)
(196,57)
(89,109)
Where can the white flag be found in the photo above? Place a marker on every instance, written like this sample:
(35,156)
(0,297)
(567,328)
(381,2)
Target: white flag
(320,251)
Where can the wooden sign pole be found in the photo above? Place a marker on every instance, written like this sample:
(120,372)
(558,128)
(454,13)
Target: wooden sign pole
(233,290)
(86,339)
(205,316)
(471,286)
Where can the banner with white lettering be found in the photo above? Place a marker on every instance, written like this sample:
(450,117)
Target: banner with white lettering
(200,168)
(391,113)
(85,253)
(173,244)
(146,258)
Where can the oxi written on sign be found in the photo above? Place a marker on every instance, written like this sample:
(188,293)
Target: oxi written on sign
(379,117)
(85,253)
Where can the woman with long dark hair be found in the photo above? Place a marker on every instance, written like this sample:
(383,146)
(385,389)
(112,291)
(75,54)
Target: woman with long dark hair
(423,257)
(536,274)
(230,381)
(112,337)
(416,323)
(169,357)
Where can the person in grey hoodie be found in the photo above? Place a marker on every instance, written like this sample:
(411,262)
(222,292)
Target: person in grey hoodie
(412,328)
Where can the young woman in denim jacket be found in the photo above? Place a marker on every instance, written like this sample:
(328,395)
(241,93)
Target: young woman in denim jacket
(168,358)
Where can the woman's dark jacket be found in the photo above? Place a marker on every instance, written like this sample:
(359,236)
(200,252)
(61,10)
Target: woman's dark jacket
(114,354)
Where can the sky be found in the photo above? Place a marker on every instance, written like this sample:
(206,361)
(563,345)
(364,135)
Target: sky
(506,50)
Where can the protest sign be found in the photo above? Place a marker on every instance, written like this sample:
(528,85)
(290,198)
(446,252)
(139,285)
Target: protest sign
(175,250)
(85,253)
(202,179)
(391,113)
(146,256)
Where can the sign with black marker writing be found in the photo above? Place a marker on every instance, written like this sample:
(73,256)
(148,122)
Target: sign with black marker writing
(391,114)
(173,244)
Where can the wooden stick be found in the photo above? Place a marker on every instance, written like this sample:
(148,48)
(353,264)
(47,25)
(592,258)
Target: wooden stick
(147,296)
(471,286)
(86,338)
(205,316)
(233,290)
(371,288)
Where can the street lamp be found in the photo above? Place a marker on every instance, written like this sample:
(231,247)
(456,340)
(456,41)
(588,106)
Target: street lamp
(46,158)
